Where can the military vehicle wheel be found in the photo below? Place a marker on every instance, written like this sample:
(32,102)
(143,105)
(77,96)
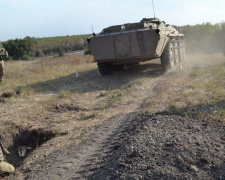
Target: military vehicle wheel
(168,57)
(118,67)
(181,53)
(183,50)
(175,52)
(105,68)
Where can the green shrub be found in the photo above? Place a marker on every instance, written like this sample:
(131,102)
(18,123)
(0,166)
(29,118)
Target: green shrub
(25,57)
(19,48)
(38,53)
(87,51)
(61,52)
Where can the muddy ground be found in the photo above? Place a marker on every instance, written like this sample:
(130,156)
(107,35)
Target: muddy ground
(122,126)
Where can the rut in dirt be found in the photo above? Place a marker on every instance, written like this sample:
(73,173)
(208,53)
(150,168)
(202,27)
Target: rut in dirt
(81,161)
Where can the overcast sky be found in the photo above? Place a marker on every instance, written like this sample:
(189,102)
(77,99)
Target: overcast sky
(46,18)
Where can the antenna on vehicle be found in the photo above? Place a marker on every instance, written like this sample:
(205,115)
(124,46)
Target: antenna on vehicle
(92,29)
(153,8)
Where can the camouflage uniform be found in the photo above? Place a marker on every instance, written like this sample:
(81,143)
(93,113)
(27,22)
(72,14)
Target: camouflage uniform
(1,70)
(3,53)
(4,166)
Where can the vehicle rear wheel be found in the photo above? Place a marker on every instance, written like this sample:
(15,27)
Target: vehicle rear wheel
(168,59)
(118,67)
(105,68)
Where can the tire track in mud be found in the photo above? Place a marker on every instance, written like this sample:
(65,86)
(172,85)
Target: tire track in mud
(87,157)
(79,162)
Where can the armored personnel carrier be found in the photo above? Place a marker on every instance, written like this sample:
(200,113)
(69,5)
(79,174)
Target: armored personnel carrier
(137,42)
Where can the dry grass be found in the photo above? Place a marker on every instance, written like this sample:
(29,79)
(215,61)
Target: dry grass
(22,73)
(198,91)
(40,82)
(53,97)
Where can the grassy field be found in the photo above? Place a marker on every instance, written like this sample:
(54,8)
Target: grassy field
(67,95)
(199,91)
(199,85)
(20,74)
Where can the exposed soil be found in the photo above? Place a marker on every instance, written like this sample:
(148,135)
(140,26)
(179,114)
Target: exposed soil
(165,146)
(118,139)
(160,146)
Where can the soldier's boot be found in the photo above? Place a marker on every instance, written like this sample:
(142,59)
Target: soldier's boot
(6,167)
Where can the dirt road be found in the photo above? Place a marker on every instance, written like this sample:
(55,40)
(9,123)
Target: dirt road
(124,127)
(80,161)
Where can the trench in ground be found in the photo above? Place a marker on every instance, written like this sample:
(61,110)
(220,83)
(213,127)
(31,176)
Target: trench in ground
(29,138)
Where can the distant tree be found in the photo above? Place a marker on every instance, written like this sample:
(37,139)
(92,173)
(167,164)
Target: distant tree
(61,52)
(206,37)
(25,57)
(17,48)
(38,53)
(20,48)
(32,44)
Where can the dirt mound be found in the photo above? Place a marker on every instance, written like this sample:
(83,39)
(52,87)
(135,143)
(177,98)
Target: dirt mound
(10,94)
(167,146)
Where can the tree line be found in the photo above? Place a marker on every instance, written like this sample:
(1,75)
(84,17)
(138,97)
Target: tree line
(205,38)
(31,47)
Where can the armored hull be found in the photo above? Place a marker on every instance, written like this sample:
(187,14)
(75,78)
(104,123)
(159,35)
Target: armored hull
(135,42)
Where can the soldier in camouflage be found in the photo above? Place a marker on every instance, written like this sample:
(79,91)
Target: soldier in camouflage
(3,53)
(1,70)
(4,166)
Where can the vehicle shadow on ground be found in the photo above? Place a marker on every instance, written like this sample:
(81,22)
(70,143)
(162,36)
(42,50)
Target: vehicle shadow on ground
(92,80)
